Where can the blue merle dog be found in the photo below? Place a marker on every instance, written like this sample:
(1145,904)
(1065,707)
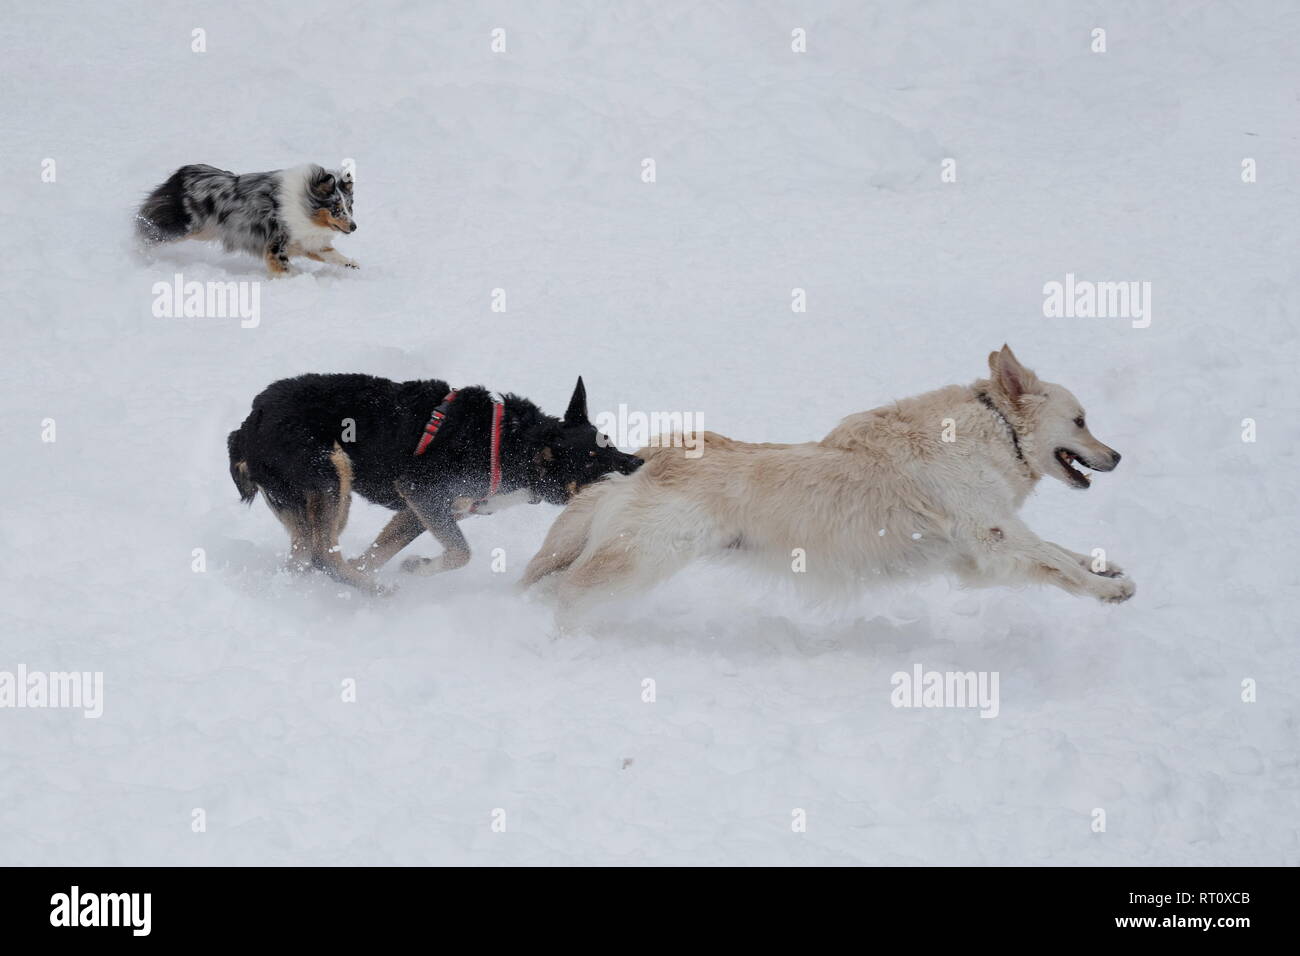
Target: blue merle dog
(275,215)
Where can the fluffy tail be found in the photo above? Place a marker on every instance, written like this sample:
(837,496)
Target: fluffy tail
(162,216)
(239,467)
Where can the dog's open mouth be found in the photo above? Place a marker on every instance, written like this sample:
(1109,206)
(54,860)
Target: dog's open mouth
(1067,459)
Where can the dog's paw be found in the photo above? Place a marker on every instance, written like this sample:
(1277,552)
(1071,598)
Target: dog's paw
(416,565)
(1109,571)
(1115,590)
(350,264)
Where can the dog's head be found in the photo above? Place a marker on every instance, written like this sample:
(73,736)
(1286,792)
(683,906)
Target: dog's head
(1055,427)
(330,197)
(574,454)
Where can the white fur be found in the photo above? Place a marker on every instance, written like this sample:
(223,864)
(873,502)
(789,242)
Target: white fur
(884,495)
(305,234)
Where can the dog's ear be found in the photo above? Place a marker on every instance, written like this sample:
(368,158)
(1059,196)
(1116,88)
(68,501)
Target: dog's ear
(1012,377)
(576,413)
(345,182)
(322,183)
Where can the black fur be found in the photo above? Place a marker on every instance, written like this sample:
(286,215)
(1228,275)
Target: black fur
(163,215)
(238,470)
(284,447)
(199,196)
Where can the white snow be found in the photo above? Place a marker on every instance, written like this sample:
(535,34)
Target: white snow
(775,170)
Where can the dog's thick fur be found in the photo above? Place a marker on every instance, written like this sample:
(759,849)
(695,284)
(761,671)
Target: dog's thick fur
(275,215)
(883,495)
(310,442)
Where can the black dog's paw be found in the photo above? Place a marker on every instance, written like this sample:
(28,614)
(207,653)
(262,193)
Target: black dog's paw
(415,565)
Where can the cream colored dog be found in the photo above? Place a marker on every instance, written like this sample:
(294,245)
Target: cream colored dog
(930,484)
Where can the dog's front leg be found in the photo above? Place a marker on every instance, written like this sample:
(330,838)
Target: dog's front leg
(1008,552)
(401,530)
(1093,565)
(440,521)
(334,257)
(277,255)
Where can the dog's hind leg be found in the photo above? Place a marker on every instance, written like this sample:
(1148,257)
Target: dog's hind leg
(442,525)
(609,570)
(566,538)
(635,542)
(325,513)
(403,528)
(276,254)
(614,570)
(623,565)
(322,521)
(295,522)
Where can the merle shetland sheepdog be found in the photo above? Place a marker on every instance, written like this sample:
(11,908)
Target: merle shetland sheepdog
(275,215)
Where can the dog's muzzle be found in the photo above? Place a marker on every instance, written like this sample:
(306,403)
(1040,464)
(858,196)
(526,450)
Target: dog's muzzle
(1068,458)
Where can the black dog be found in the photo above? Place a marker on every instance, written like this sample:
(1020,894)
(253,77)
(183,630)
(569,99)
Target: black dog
(431,454)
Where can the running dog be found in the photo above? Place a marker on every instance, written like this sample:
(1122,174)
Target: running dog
(929,484)
(275,215)
(432,454)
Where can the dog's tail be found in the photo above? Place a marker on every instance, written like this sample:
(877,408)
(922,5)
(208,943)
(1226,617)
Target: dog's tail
(239,467)
(162,216)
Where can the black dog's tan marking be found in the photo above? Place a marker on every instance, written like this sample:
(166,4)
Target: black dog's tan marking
(314,525)
(291,448)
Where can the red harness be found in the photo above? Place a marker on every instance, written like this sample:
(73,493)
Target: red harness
(436,421)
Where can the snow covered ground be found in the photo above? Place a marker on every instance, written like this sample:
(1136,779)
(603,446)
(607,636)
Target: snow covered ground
(775,170)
